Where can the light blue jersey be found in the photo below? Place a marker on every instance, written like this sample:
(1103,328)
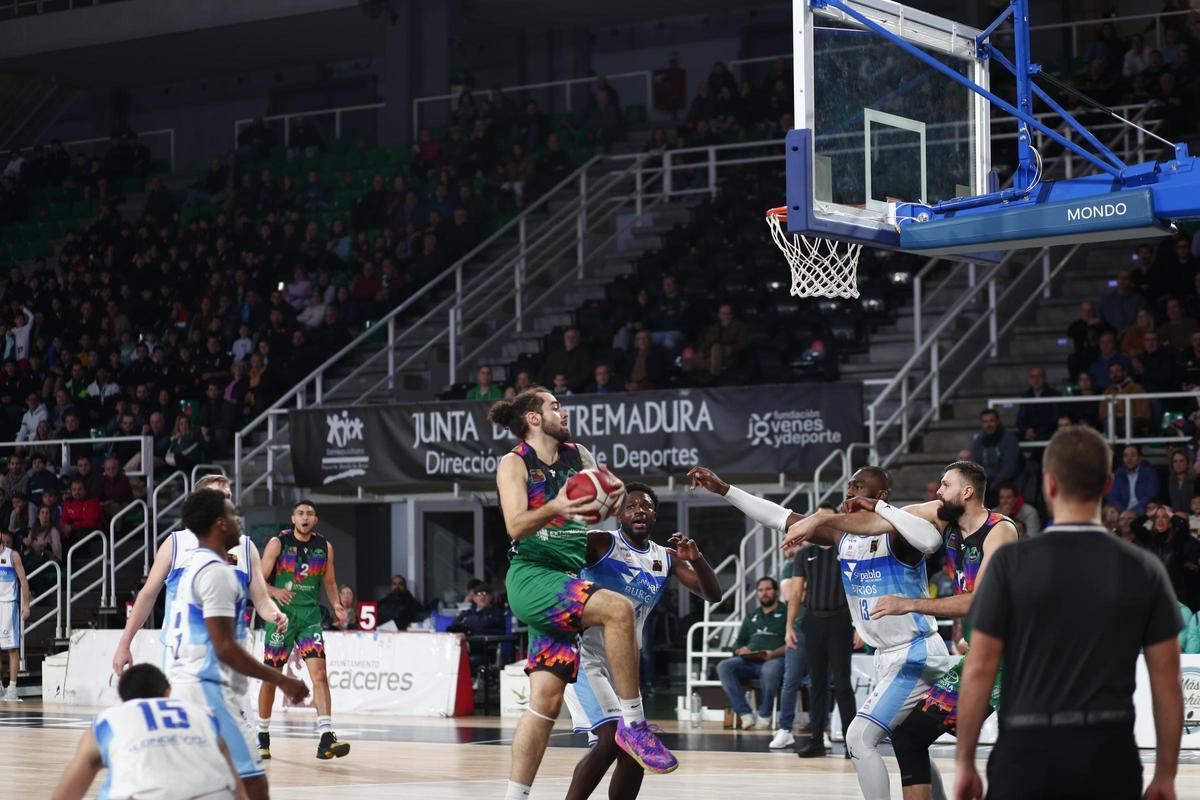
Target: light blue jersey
(183,544)
(641,576)
(161,749)
(870,571)
(10,606)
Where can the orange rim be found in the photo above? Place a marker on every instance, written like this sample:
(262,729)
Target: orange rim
(778,213)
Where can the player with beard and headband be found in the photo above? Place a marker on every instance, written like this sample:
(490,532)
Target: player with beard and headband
(629,563)
(549,549)
(958,509)
(910,655)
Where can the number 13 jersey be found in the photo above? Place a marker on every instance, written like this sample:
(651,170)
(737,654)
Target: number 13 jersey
(870,571)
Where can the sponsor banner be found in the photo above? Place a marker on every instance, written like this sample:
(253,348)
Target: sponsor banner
(755,430)
(1143,704)
(413,674)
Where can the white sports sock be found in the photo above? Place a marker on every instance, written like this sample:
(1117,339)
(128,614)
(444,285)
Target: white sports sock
(324,724)
(517,791)
(262,725)
(631,710)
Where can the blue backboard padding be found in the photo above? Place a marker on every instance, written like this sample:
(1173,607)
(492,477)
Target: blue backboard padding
(1075,217)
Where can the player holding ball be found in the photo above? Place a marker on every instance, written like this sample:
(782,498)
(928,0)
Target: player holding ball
(549,549)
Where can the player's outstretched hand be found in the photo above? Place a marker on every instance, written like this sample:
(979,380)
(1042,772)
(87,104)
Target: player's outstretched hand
(853,504)
(295,690)
(703,476)
(967,783)
(281,622)
(685,548)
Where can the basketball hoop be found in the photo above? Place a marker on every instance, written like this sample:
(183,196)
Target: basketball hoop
(820,267)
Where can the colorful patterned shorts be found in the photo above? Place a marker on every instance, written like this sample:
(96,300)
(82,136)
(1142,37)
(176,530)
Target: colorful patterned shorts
(941,702)
(304,633)
(550,602)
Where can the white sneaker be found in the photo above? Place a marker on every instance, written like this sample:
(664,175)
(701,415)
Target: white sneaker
(11,694)
(783,738)
(749,722)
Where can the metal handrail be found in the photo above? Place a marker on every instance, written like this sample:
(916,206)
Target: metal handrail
(169,132)
(143,528)
(769,553)
(1110,400)
(209,469)
(70,595)
(566,84)
(156,513)
(56,612)
(65,444)
(704,654)
(337,112)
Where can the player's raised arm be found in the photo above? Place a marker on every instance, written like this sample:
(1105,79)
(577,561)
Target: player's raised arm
(693,570)
(81,770)
(260,593)
(520,520)
(764,512)
(144,603)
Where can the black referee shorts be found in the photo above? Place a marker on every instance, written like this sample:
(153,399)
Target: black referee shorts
(1065,764)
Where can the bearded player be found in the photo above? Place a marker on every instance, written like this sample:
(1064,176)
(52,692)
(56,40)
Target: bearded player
(549,549)
(298,563)
(628,563)
(909,654)
(958,509)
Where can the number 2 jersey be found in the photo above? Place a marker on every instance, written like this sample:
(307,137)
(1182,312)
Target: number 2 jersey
(161,749)
(870,570)
(300,569)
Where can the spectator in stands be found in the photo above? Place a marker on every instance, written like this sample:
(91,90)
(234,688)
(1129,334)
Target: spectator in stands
(602,380)
(666,321)
(758,653)
(303,140)
(637,318)
(723,345)
(559,387)
(1085,334)
(484,389)
(15,480)
(603,125)
(20,519)
(51,499)
(1099,368)
(931,491)
(484,617)
(81,515)
(1099,84)
(1122,384)
(1107,49)
(995,448)
(1134,483)
(517,171)
(36,412)
(1011,504)
(399,605)
(1131,341)
(647,364)
(1176,332)
(115,491)
(1136,58)
(1037,421)
(572,360)
(1181,481)
(1119,308)
(85,472)
(553,165)
(185,449)
(1189,364)
(44,537)
(1154,367)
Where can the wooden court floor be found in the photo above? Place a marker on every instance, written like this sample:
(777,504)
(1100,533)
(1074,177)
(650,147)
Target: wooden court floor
(449,759)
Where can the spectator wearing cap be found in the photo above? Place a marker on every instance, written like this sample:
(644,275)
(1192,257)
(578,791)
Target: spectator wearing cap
(1134,483)
(483,618)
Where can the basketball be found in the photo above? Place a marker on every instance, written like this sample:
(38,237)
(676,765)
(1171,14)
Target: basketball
(601,486)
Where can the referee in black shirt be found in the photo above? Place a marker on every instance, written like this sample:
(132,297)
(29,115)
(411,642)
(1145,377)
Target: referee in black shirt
(1069,612)
(828,640)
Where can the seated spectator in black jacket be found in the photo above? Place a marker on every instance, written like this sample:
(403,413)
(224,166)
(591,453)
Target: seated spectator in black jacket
(1154,367)
(399,606)
(1037,421)
(1084,334)
(483,618)
(1189,364)
(572,360)
(647,364)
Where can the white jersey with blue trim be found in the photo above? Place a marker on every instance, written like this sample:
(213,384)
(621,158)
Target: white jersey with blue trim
(161,749)
(638,574)
(183,544)
(208,587)
(870,570)
(8,575)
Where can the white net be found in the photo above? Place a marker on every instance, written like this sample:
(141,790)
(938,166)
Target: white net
(820,267)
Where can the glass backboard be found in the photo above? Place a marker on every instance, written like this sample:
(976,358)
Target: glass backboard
(883,126)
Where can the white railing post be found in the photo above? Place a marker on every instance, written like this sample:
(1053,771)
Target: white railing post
(270,461)
(637,202)
(519,279)
(712,172)
(970,274)
(991,290)
(935,384)
(666,180)
(1068,155)
(391,353)
(871,436)
(237,466)
(1111,423)
(453,343)
(917,313)
(904,406)
(1046,274)
(319,388)
(1128,402)
(581,222)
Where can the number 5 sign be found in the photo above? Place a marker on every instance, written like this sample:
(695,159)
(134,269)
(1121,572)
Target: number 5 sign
(368,616)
